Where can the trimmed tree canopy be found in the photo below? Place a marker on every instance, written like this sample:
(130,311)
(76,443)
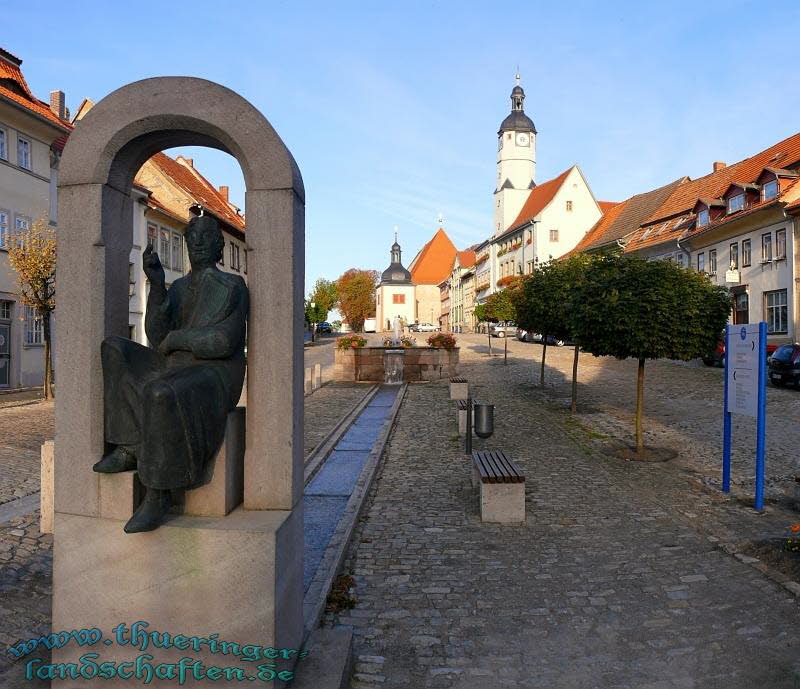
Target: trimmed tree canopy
(629,307)
(499,306)
(356,290)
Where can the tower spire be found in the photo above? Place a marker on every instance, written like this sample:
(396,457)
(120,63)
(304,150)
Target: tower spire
(517,75)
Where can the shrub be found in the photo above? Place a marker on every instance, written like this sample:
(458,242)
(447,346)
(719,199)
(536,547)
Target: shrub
(442,340)
(404,342)
(351,342)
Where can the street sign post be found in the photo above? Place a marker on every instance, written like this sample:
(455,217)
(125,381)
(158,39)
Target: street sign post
(745,392)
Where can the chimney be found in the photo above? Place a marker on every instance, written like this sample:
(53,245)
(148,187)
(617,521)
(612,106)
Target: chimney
(224,191)
(718,165)
(57,104)
(188,161)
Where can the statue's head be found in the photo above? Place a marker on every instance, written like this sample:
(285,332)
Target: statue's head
(204,241)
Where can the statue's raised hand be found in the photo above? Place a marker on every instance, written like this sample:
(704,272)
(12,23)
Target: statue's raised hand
(152,266)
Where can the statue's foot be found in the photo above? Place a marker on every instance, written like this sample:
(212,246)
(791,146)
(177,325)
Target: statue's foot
(119,459)
(151,512)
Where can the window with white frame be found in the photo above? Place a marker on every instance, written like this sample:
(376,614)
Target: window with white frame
(23,153)
(701,262)
(734,263)
(4,229)
(780,244)
(34,333)
(569,205)
(163,249)
(702,217)
(766,247)
(712,261)
(553,235)
(3,144)
(769,190)
(177,252)
(776,307)
(735,203)
(746,253)
(5,310)
(681,258)
(152,235)
(21,224)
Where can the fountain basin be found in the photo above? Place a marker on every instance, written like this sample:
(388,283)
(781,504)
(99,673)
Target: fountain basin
(419,363)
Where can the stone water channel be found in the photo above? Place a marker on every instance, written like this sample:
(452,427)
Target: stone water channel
(330,491)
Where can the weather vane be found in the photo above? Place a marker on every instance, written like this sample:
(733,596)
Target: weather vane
(517,75)
(441,220)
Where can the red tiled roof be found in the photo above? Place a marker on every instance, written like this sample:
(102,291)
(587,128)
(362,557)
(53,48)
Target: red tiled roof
(199,188)
(539,197)
(606,206)
(781,154)
(13,87)
(625,218)
(434,262)
(466,258)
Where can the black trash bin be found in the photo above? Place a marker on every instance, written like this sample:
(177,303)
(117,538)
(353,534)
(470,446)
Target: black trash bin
(484,419)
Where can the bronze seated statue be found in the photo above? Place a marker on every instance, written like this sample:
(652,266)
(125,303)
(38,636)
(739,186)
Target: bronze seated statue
(166,407)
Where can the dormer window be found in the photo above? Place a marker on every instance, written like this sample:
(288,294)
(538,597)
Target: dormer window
(702,217)
(769,190)
(736,203)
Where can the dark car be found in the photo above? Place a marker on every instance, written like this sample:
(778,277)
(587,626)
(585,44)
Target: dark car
(324,327)
(784,366)
(717,357)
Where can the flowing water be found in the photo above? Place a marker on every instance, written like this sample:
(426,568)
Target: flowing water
(393,366)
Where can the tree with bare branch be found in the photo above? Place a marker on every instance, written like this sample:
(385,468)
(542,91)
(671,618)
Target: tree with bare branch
(32,255)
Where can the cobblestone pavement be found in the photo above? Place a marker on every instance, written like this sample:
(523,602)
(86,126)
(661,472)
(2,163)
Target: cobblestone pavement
(683,409)
(26,555)
(23,429)
(616,581)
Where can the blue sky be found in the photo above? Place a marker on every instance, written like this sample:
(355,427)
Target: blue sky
(391,110)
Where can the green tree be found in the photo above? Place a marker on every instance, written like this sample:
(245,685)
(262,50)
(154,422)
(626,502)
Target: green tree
(545,304)
(324,295)
(499,306)
(629,307)
(356,290)
(32,255)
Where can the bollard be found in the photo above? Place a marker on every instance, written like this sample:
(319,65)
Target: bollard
(317,376)
(309,388)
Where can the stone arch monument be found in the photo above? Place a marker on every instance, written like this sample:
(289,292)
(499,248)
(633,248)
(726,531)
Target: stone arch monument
(238,575)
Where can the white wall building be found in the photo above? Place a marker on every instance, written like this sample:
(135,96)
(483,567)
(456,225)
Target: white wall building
(395,294)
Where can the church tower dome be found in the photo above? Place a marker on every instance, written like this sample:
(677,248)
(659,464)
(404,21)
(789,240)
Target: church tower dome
(516,162)
(396,274)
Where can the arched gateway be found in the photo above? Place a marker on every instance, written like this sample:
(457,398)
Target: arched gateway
(240,574)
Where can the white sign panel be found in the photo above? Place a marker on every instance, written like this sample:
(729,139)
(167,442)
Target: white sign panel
(743,354)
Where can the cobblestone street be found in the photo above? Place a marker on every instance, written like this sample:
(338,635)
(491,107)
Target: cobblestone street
(26,555)
(625,575)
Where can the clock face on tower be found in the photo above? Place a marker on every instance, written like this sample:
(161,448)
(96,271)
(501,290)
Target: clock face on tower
(523,139)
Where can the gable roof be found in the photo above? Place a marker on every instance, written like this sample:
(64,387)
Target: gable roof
(539,197)
(13,87)
(606,206)
(434,262)
(185,176)
(626,217)
(781,154)
(466,259)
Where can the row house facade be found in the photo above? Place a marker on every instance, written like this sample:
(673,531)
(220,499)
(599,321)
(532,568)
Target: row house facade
(461,292)
(739,226)
(32,136)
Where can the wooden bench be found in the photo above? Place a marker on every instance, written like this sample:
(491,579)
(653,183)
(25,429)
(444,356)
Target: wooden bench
(502,487)
(459,388)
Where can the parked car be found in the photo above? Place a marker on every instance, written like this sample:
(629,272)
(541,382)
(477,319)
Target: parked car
(502,329)
(525,336)
(784,366)
(324,328)
(717,357)
(426,328)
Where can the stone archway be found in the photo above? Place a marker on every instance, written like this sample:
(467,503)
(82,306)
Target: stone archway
(239,575)
(104,153)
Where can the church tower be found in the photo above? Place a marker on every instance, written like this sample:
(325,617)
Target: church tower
(516,162)
(394,295)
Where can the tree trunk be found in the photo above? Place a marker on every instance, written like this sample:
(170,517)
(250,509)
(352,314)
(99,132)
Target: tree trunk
(48,358)
(639,407)
(544,354)
(574,405)
(489,335)
(505,351)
